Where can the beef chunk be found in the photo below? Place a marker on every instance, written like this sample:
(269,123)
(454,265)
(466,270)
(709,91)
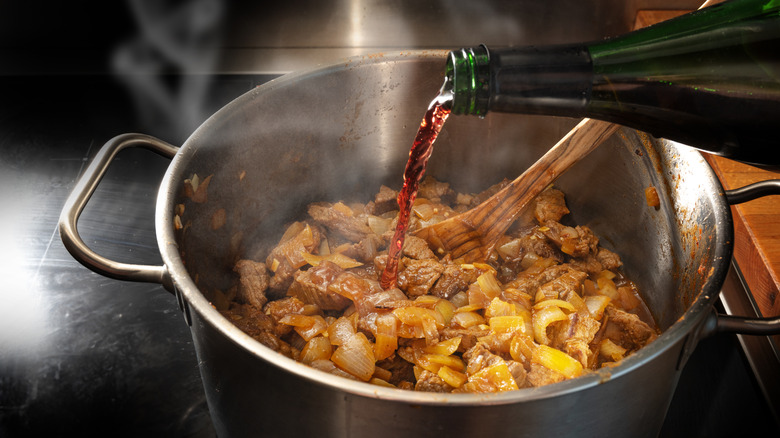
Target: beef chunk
(386,200)
(608,259)
(575,335)
(454,278)
(418,276)
(518,372)
(570,281)
(417,248)
(261,327)
(253,282)
(627,330)
(539,375)
(339,219)
(427,381)
(479,357)
(400,370)
(589,264)
(435,191)
(577,242)
(468,337)
(311,287)
(364,251)
(550,206)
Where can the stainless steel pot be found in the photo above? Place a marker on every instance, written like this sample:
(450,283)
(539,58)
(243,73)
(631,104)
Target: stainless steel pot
(341,131)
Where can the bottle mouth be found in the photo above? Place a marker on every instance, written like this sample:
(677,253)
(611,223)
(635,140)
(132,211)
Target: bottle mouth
(467,77)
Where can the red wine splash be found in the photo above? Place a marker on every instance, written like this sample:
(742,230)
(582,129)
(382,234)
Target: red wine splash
(431,125)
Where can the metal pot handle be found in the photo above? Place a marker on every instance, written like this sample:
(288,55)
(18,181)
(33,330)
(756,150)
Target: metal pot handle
(740,324)
(79,197)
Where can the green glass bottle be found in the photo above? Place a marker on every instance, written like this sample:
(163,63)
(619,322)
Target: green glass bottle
(709,79)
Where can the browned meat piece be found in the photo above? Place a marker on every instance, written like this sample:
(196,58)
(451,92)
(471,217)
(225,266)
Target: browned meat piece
(386,200)
(577,241)
(365,251)
(401,370)
(575,335)
(608,259)
(540,375)
(261,327)
(417,248)
(278,309)
(570,281)
(281,280)
(627,330)
(311,287)
(589,264)
(435,191)
(351,227)
(418,276)
(528,244)
(468,337)
(253,282)
(454,278)
(479,357)
(427,381)
(518,372)
(550,206)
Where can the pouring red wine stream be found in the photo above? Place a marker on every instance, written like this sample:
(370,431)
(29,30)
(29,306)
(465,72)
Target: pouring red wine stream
(437,113)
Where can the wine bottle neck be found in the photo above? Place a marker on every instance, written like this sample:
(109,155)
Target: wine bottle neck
(531,80)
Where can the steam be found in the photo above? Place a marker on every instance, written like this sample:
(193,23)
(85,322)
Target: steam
(167,66)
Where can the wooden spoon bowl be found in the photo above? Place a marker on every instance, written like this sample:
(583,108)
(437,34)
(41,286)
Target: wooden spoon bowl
(472,235)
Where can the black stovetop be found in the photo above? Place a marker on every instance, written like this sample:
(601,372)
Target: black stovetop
(83,355)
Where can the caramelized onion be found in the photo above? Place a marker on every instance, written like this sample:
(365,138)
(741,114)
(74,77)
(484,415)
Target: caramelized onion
(544,317)
(557,360)
(356,356)
(317,348)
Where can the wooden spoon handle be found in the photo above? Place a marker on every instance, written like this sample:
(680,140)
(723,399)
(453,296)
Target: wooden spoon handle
(494,217)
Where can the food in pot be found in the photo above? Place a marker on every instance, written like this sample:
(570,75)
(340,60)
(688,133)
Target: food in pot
(550,303)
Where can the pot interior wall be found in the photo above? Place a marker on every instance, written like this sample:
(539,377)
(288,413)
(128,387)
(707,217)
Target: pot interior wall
(340,132)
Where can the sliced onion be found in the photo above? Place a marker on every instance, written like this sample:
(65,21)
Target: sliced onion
(446,309)
(563,305)
(611,350)
(521,347)
(318,348)
(356,356)
(596,305)
(557,360)
(544,317)
(379,225)
(386,342)
(499,307)
(445,347)
(510,250)
(607,287)
(489,284)
(341,330)
(456,379)
(340,259)
(306,326)
(440,360)
(507,324)
(467,319)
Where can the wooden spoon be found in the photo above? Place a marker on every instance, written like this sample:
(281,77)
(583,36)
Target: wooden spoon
(472,235)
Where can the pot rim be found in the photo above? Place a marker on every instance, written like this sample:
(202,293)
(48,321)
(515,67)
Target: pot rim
(688,324)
